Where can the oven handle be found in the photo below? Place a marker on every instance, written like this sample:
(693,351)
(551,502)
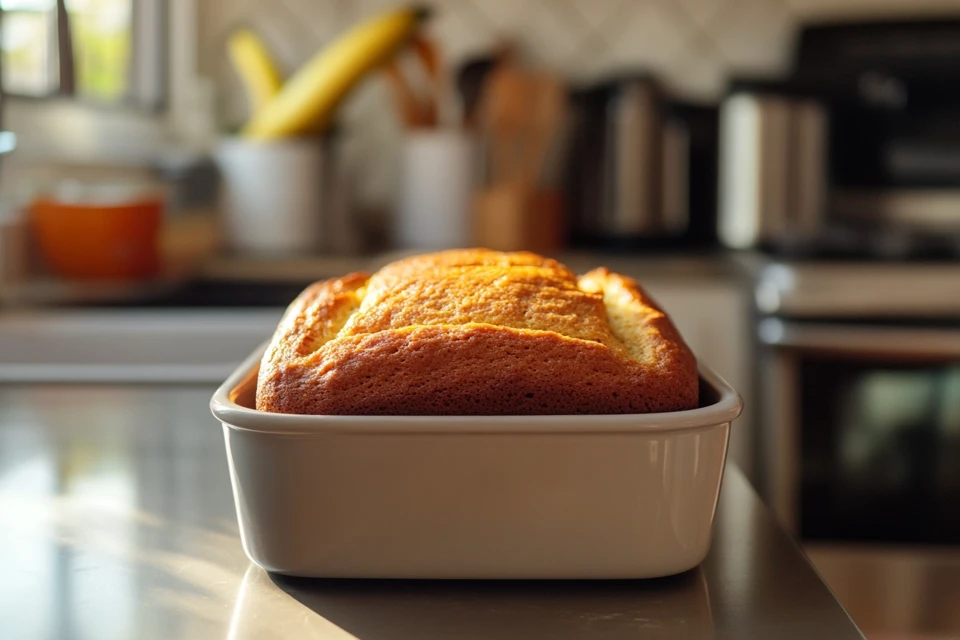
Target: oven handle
(893,341)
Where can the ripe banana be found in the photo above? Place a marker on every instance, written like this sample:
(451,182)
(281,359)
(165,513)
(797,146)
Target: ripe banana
(308,101)
(255,67)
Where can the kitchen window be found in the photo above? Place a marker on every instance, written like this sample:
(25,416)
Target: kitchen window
(108,52)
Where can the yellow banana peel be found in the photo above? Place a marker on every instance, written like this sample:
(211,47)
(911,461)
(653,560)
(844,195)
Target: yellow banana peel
(309,99)
(255,67)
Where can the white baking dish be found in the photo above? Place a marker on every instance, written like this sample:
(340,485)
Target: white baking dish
(599,496)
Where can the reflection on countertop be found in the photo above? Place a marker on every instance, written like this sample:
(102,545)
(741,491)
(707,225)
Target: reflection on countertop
(118,522)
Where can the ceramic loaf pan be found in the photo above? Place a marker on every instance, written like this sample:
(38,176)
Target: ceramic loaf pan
(588,496)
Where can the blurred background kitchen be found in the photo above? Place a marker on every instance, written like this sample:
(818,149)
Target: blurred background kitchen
(782,175)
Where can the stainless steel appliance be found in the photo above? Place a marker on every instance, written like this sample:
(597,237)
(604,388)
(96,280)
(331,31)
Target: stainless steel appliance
(773,168)
(643,167)
(860,453)
(855,151)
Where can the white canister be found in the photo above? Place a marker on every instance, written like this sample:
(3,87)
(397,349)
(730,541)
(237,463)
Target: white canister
(436,188)
(283,197)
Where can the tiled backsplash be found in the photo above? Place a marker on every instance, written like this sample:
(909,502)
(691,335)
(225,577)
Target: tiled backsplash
(692,45)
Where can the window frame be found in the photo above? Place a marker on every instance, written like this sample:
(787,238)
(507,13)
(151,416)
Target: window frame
(67,129)
(148,73)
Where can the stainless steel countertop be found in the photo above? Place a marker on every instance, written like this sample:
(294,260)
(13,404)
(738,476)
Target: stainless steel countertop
(117,521)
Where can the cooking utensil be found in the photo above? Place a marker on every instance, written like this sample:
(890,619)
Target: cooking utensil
(516,217)
(522,116)
(475,497)
(416,109)
(99,231)
(506,122)
(547,112)
(471,78)
(522,121)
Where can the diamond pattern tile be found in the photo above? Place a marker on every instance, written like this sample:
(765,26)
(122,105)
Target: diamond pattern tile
(552,33)
(463,30)
(600,14)
(506,15)
(359,9)
(324,19)
(754,35)
(703,12)
(694,45)
(648,37)
(290,42)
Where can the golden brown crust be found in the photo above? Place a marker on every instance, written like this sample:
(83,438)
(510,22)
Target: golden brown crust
(476,333)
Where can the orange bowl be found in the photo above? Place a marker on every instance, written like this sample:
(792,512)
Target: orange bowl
(99,241)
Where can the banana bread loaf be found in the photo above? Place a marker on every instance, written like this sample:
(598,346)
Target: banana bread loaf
(476,332)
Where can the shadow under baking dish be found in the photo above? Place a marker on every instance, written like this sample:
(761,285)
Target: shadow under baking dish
(554,496)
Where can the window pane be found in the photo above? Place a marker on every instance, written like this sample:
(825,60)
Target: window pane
(28,5)
(29,52)
(102,46)
(102,34)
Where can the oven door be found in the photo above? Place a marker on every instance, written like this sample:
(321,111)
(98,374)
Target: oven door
(861,460)
(863,431)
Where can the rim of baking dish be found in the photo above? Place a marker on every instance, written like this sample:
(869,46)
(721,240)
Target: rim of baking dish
(728,406)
